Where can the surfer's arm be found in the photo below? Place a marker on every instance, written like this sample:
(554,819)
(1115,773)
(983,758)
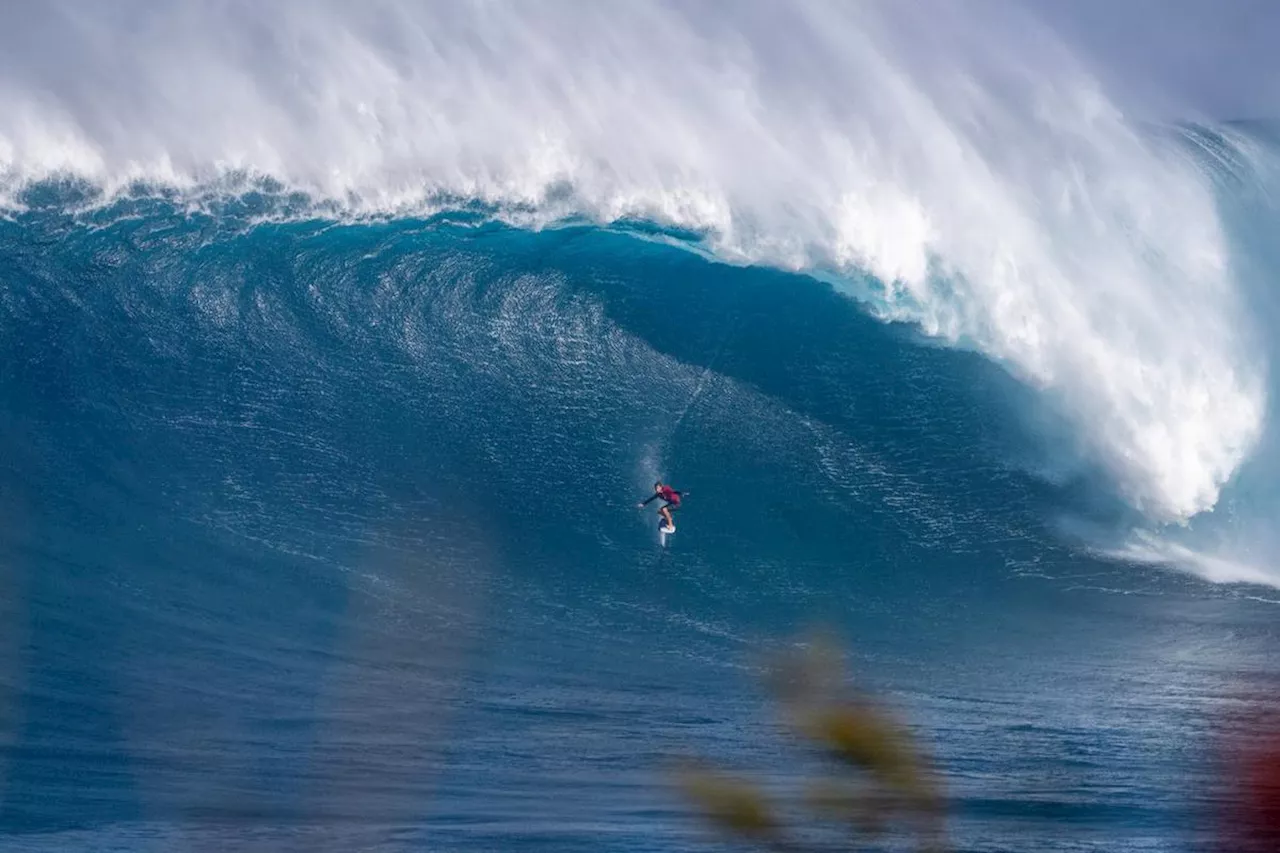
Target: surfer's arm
(646,501)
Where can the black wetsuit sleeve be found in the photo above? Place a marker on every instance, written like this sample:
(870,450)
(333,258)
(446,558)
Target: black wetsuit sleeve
(648,500)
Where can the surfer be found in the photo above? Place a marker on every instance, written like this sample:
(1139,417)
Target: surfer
(671,499)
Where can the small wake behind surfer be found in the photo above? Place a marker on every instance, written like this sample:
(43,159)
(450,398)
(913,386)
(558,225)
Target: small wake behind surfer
(671,499)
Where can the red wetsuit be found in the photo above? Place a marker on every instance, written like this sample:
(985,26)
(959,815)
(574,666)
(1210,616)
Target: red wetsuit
(668,494)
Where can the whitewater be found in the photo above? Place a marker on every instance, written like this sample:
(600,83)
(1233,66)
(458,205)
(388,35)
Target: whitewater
(337,346)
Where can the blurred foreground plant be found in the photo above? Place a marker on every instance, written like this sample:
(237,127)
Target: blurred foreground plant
(1247,790)
(880,784)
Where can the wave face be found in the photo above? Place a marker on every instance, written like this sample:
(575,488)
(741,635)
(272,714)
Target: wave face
(336,348)
(322,536)
(962,172)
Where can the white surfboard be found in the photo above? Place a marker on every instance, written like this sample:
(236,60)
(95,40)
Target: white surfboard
(664,532)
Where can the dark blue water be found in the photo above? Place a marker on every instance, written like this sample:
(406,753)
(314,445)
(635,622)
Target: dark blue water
(323,537)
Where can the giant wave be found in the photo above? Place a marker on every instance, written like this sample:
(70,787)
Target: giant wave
(999,199)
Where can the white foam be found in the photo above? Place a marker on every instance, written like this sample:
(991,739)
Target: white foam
(977,170)
(1149,549)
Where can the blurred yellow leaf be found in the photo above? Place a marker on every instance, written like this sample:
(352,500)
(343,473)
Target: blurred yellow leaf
(857,735)
(732,803)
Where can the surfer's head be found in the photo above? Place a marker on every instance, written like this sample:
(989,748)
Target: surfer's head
(657,487)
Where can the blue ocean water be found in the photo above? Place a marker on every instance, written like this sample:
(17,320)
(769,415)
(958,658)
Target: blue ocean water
(335,358)
(322,536)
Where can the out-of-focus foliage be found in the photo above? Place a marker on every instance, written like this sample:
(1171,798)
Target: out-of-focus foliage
(1247,793)
(878,782)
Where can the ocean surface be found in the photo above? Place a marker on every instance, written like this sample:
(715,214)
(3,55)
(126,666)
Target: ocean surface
(337,349)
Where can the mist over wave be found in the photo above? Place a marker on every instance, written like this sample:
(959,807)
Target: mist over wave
(944,170)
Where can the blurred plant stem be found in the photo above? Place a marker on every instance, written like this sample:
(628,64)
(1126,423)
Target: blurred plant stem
(881,785)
